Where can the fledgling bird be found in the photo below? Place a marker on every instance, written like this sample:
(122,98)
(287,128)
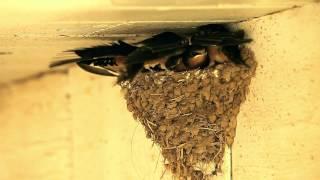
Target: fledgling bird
(222,44)
(196,57)
(209,45)
(216,55)
(175,63)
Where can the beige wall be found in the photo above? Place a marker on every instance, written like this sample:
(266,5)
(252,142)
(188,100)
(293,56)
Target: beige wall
(75,125)
(279,126)
(71,126)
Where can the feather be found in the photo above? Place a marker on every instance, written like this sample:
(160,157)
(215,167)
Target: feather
(69,61)
(98,71)
(116,48)
(162,39)
(234,54)
(213,28)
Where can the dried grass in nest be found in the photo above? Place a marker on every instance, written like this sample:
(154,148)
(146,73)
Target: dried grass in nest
(191,115)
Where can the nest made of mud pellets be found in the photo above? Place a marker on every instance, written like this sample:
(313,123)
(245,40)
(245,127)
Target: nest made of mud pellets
(191,115)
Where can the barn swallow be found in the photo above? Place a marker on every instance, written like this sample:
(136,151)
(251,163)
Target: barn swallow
(196,57)
(108,60)
(124,60)
(216,55)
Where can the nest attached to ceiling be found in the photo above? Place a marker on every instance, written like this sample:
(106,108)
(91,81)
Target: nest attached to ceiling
(191,115)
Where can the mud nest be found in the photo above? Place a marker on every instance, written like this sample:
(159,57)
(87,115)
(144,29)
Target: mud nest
(191,115)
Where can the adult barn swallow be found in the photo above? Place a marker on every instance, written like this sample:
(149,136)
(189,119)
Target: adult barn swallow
(108,60)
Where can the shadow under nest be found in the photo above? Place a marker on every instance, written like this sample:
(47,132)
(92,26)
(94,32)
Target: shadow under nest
(191,115)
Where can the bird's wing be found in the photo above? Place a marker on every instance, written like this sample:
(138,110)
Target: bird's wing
(98,71)
(69,61)
(161,45)
(97,54)
(144,54)
(220,38)
(114,49)
(161,39)
(234,54)
(213,28)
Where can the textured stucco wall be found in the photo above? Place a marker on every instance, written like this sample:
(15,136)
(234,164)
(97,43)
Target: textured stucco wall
(75,126)
(35,130)
(71,125)
(279,125)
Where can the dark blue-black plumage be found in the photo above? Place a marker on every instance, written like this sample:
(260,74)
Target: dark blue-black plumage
(164,51)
